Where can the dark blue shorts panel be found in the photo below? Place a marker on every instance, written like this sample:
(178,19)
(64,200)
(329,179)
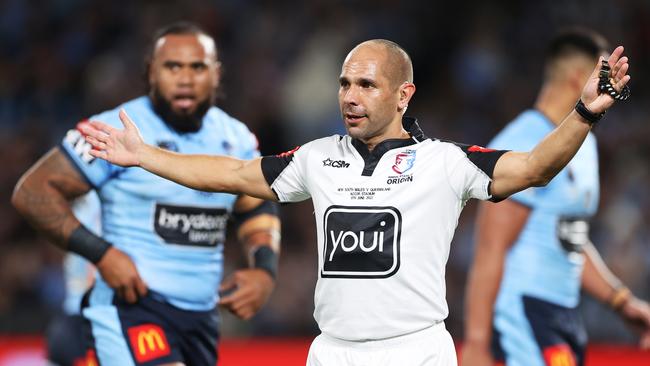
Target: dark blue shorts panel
(66,340)
(158,332)
(554,325)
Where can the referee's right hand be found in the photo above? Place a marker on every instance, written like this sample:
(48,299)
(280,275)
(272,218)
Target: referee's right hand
(119,272)
(119,147)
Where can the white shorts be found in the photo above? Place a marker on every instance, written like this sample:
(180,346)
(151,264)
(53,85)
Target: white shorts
(432,346)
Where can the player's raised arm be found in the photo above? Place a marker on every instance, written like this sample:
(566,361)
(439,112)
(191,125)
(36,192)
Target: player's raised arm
(202,172)
(516,171)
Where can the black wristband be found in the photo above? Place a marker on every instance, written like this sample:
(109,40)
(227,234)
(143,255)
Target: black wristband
(87,244)
(265,258)
(587,114)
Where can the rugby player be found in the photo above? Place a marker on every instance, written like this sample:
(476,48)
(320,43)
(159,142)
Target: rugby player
(533,249)
(160,259)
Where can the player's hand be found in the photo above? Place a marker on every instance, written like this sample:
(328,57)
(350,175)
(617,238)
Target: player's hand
(636,314)
(599,103)
(119,272)
(475,354)
(248,290)
(120,147)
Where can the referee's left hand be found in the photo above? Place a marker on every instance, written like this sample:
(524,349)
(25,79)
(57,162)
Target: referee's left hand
(247,291)
(599,103)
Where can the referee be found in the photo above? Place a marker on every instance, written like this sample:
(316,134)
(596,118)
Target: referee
(386,198)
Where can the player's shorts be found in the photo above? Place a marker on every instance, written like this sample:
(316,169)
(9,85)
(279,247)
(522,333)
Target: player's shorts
(534,332)
(432,346)
(65,341)
(150,332)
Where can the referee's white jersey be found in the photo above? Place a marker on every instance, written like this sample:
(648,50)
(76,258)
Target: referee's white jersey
(385,220)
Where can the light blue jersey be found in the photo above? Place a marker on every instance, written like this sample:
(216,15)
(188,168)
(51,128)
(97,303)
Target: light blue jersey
(78,273)
(539,264)
(174,234)
(545,262)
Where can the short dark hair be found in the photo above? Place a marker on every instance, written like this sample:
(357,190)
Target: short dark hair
(571,41)
(176,28)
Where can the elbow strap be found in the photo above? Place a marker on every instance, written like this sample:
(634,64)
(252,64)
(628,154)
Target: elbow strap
(87,244)
(266,259)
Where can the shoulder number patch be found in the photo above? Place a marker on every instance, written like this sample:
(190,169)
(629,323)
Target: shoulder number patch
(79,144)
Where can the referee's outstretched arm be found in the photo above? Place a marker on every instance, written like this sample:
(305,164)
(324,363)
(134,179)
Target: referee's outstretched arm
(516,171)
(202,172)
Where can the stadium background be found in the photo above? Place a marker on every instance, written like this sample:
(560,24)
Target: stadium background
(476,66)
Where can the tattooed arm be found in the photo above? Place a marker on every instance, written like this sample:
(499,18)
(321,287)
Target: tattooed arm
(43,195)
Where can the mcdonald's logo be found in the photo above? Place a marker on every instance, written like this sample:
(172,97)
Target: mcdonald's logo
(89,359)
(559,355)
(148,342)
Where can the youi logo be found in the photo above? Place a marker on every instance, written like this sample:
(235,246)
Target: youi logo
(361,242)
(404,161)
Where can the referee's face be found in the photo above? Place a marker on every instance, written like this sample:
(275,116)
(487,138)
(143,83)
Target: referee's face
(367,97)
(183,76)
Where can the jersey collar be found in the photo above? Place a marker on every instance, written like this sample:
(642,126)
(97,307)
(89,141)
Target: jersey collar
(371,158)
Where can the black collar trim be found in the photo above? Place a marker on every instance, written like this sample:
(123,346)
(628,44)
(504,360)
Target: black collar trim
(371,158)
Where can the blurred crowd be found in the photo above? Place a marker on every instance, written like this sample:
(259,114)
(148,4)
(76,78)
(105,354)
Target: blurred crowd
(476,67)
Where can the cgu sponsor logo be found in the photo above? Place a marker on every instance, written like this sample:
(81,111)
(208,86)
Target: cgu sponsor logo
(191,225)
(148,342)
(361,242)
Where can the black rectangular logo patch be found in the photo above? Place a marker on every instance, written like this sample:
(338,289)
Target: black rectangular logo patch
(361,242)
(195,226)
